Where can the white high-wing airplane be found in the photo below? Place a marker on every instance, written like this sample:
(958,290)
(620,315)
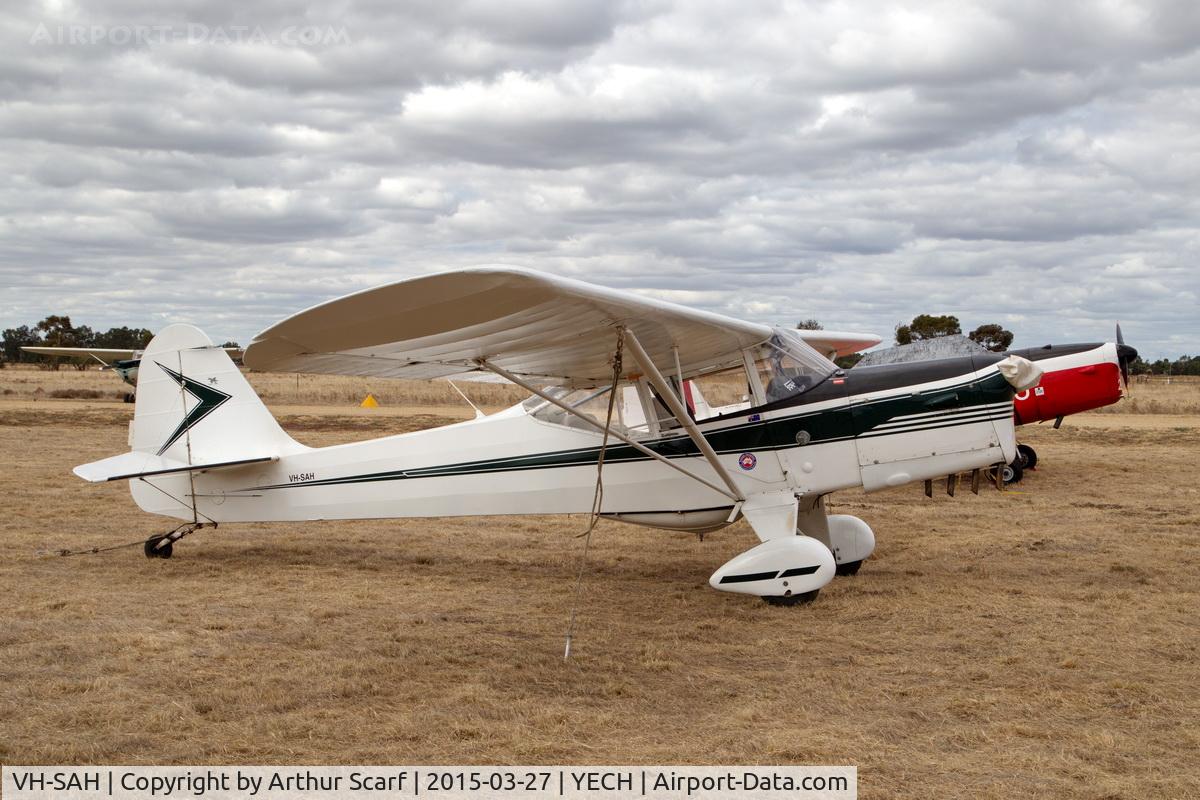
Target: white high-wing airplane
(124,363)
(206,450)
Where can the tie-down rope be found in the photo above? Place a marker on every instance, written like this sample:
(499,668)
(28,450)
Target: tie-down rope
(598,496)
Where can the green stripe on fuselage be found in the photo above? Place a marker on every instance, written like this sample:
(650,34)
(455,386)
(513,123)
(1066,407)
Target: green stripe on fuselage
(827,425)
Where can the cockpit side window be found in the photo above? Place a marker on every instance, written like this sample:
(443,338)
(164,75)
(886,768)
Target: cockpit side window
(592,403)
(786,366)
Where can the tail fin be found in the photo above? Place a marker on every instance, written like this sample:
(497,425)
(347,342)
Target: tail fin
(195,406)
(195,410)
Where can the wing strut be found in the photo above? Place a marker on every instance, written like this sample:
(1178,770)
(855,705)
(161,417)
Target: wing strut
(673,403)
(641,448)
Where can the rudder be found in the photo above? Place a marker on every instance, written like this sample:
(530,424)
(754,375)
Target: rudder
(194,405)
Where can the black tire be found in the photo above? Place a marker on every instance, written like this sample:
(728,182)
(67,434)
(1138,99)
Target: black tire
(153,550)
(849,568)
(1027,456)
(793,600)
(1012,473)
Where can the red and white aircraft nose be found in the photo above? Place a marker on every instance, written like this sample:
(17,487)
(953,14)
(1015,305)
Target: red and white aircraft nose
(1074,383)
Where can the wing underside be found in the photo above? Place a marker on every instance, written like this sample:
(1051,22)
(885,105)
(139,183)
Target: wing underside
(104,354)
(832,344)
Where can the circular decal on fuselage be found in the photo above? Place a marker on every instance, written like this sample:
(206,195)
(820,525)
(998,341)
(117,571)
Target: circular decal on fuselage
(747,461)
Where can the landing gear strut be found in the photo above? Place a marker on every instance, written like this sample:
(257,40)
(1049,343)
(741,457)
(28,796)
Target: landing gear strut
(161,545)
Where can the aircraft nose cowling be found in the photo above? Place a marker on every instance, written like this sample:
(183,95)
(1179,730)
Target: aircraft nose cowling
(1020,372)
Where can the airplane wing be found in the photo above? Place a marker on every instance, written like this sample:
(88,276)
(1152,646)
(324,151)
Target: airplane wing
(534,325)
(104,354)
(832,344)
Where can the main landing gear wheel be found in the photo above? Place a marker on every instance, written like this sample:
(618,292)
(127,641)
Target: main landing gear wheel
(793,599)
(849,568)
(1026,456)
(1011,473)
(153,549)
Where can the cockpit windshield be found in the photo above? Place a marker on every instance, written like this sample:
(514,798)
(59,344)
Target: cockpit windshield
(788,365)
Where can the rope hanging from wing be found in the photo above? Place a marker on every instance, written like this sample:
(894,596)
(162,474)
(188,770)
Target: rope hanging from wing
(598,495)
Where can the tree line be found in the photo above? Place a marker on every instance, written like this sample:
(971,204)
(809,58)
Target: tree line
(58,331)
(1184,365)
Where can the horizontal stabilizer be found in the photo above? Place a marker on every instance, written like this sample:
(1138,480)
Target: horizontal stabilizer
(143,465)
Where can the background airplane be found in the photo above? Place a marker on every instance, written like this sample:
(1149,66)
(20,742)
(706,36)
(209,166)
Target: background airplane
(1075,378)
(124,363)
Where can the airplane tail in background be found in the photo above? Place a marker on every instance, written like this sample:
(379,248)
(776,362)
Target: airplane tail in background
(195,411)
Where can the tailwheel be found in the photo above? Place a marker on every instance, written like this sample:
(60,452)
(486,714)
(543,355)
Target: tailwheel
(849,568)
(161,545)
(155,547)
(1026,456)
(803,598)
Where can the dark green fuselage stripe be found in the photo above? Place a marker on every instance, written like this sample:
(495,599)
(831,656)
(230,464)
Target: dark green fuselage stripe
(961,404)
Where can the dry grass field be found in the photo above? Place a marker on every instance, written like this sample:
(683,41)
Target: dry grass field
(1042,642)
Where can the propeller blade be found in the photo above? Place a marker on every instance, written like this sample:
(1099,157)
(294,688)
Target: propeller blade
(1125,357)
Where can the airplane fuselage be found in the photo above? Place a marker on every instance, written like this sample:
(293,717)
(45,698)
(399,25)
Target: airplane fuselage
(874,427)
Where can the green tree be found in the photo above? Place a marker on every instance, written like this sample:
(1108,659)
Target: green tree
(84,336)
(124,338)
(57,331)
(809,325)
(16,338)
(927,326)
(1186,365)
(992,336)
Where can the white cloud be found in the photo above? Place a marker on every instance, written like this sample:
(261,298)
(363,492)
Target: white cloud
(857,162)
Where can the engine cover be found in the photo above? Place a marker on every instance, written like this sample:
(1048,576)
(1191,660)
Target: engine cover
(777,568)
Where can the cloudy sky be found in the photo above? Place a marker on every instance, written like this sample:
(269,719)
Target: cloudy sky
(1030,163)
